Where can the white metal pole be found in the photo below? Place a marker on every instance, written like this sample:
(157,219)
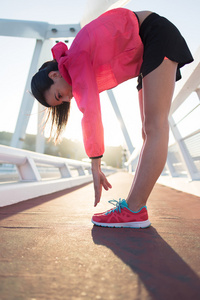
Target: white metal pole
(27,102)
(121,121)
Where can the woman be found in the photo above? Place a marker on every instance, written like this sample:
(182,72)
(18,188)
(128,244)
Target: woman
(115,47)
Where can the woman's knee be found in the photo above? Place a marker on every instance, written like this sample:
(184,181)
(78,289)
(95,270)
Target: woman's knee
(143,134)
(154,127)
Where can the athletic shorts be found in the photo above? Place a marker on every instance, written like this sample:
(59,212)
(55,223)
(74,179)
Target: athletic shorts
(161,39)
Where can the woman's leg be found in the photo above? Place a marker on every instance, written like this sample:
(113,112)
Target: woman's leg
(158,87)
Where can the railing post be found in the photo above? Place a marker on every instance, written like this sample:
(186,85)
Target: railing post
(81,171)
(28,171)
(65,171)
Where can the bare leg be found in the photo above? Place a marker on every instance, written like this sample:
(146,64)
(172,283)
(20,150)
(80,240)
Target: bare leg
(158,87)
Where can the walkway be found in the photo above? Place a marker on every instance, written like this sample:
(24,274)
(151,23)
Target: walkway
(50,250)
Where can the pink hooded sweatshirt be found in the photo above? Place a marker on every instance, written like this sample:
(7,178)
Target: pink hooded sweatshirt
(105,53)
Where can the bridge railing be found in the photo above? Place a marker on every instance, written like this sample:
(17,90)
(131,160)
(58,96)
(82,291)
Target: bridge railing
(38,174)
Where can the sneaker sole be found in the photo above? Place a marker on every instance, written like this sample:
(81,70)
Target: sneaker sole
(143,224)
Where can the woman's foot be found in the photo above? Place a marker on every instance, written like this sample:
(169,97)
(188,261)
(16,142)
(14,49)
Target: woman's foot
(122,216)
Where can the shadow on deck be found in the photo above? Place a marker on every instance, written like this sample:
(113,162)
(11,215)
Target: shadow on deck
(50,249)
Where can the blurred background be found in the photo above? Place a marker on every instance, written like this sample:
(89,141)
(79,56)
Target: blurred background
(16,55)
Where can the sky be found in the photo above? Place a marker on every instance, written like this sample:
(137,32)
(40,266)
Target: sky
(16,54)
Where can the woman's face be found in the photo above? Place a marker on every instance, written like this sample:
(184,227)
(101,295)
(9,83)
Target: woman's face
(59,92)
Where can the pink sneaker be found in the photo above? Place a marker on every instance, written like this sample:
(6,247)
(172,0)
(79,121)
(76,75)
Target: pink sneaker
(122,216)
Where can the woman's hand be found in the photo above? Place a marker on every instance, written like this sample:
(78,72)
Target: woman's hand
(99,180)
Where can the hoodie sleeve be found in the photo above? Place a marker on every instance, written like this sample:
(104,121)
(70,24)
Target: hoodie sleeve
(78,71)
(86,94)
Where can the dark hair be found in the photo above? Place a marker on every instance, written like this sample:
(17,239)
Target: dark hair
(58,114)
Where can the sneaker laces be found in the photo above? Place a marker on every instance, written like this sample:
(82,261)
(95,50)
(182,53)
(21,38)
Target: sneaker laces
(119,204)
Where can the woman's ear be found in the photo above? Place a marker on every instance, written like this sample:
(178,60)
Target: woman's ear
(54,74)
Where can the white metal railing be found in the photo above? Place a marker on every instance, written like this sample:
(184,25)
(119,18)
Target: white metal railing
(31,184)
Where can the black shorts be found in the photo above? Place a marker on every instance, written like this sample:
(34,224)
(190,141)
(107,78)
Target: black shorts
(161,39)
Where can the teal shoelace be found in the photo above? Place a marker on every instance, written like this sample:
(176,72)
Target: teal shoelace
(118,205)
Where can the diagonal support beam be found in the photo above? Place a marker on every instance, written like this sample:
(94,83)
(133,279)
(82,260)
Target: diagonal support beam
(121,121)
(27,102)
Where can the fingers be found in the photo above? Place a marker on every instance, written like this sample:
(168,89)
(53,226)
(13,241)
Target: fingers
(100,180)
(98,192)
(106,184)
(97,187)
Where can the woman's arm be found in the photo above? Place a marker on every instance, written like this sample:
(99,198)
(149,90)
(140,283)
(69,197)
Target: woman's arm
(86,94)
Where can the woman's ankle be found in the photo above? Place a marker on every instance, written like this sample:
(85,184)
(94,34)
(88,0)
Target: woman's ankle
(134,206)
